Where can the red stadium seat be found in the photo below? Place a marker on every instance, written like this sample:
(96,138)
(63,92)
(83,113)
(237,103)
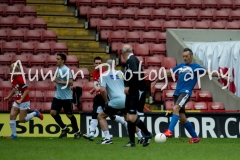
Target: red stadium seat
(15,35)
(189,105)
(236,4)
(3,35)
(159,49)
(201,25)
(200,106)
(1,10)
(83,10)
(185,24)
(94,22)
(149,37)
(127,13)
(32,73)
(46,106)
(162,37)
(72,60)
(37,60)
(132,36)
(49,36)
(49,95)
(111,13)
(104,24)
(174,14)
(26,48)
(83,3)
(169,105)
(148,3)
(38,23)
(234,15)
(217,25)
(121,24)
(232,25)
(203,96)
(179,3)
(6,85)
(153,25)
(88,86)
(132,3)
(112,3)
(5,59)
(137,25)
(60,47)
(87,106)
(47,73)
(118,36)
(95,12)
(11,11)
(141,50)
(205,14)
(163,3)
(40,85)
(3,72)
(9,47)
(169,62)
(21,23)
(172,85)
(220,15)
(158,89)
(43,48)
(158,14)
(23,58)
(33,36)
(153,61)
(215,106)
(169,24)
(190,14)
(194,4)
(167,95)
(18,2)
(82,73)
(149,74)
(6,22)
(225,4)
(99,3)
(104,34)
(209,4)
(143,13)
(28,11)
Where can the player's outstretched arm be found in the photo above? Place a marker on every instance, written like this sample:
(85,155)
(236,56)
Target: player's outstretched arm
(104,94)
(9,95)
(168,72)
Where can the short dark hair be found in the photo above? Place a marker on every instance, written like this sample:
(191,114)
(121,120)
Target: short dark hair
(97,58)
(63,56)
(188,50)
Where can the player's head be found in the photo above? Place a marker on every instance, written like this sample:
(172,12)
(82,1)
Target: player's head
(61,59)
(187,55)
(126,50)
(97,61)
(111,63)
(14,68)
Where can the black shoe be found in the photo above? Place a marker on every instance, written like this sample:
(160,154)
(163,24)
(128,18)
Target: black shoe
(147,140)
(130,144)
(64,132)
(140,141)
(77,135)
(106,141)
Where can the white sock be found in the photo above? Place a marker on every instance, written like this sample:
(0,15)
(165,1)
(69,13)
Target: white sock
(13,127)
(30,116)
(120,120)
(93,125)
(139,134)
(106,134)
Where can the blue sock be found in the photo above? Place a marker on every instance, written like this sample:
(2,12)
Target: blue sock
(173,122)
(190,129)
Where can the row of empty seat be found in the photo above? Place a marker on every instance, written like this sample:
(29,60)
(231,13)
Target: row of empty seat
(160,3)
(23,23)
(167,14)
(13,2)
(17,11)
(30,48)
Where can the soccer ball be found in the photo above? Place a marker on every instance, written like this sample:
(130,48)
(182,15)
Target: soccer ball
(160,138)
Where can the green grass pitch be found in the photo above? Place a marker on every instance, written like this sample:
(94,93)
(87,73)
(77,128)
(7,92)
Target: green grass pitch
(82,149)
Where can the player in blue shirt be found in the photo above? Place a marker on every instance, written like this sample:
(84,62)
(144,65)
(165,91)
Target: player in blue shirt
(187,78)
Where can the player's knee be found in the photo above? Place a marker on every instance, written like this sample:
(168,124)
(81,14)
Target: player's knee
(112,117)
(53,113)
(176,109)
(13,117)
(69,115)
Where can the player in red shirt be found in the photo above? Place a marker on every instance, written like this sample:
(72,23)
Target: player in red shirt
(21,103)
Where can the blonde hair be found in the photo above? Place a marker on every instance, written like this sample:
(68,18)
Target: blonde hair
(15,67)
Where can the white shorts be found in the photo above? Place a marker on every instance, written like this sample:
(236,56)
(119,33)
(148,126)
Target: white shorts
(22,106)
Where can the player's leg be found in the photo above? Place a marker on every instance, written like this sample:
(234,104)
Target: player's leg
(139,135)
(13,115)
(55,109)
(119,119)
(24,116)
(179,101)
(67,106)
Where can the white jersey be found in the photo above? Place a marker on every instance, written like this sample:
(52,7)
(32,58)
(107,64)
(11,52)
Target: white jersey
(114,84)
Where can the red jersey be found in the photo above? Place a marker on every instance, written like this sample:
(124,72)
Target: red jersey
(96,75)
(19,87)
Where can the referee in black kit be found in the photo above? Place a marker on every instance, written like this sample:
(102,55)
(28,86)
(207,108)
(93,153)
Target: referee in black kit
(135,96)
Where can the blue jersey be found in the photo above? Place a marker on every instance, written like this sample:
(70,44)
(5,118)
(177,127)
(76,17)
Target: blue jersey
(187,77)
(63,74)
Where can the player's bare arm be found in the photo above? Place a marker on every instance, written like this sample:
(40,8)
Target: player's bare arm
(104,94)
(9,95)
(162,74)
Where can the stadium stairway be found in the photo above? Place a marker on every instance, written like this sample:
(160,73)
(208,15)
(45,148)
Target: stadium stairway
(80,42)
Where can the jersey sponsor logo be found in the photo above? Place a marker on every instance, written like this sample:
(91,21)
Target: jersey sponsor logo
(185,69)
(116,76)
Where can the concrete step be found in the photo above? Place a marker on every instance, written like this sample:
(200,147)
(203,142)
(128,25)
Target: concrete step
(52,13)
(59,19)
(50,7)
(45,2)
(80,44)
(87,50)
(69,31)
(77,38)
(87,58)
(65,25)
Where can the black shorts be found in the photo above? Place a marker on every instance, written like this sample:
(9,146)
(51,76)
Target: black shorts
(181,100)
(112,111)
(97,101)
(57,105)
(135,102)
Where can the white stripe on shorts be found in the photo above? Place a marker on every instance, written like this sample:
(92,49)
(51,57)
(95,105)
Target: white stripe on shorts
(184,99)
